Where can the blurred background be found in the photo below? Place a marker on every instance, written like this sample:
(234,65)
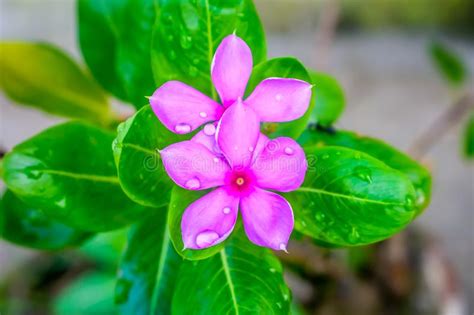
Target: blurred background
(378,50)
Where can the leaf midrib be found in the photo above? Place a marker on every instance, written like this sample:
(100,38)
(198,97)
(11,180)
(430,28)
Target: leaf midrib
(333,194)
(81,176)
(226,268)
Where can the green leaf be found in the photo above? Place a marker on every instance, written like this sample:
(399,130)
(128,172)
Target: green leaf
(350,198)
(90,294)
(68,171)
(30,227)
(115,39)
(241,279)
(418,174)
(468,138)
(139,166)
(180,200)
(284,68)
(187,34)
(106,248)
(329,98)
(449,63)
(148,268)
(44,77)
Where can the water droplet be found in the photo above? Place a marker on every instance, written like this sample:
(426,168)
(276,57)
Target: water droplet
(251,149)
(172,54)
(122,290)
(278,97)
(289,151)
(193,184)
(286,297)
(33,174)
(186,41)
(420,197)
(216,160)
(320,216)
(283,247)
(206,238)
(278,304)
(182,128)
(209,129)
(325,156)
(363,173)
(226,210)
(203,114)
(193,71)
(272,270)
(409,201)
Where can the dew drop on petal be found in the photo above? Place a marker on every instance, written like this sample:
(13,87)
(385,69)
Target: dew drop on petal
(216,160)
(193,184)
(251,149)
(203,114)
(182,128)
(289,150)
(206,238)
(209,129)
(278,97)
(226,210)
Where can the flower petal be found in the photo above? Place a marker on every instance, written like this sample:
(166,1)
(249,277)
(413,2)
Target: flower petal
(192,166)
(261,143)
(268,219)
(279,99)
(209,220)
(237,134)
(231,68)
(182,108)
(281,165)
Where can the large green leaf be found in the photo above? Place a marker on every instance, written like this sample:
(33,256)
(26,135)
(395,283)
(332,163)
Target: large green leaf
(148,268)
(329,97)
(241,279)
(105,249)
(419,175)
(449,63)
(42,76)
(284,68)
(180,200)
(68,171)
(350,198)
(140,169)
(90,294)
(187,34)
(468,138)
(30,227)
(115,39)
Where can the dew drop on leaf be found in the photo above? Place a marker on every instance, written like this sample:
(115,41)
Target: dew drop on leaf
(363,173)
(193,71)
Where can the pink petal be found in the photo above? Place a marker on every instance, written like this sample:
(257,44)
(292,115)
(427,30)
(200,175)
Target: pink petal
(237,134)
(281,165)
(268,219)
(261,143)
(192,166)
(209,220)
(279,99)
(182,108)
(231,68)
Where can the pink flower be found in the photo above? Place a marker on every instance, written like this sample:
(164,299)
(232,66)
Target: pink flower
(182,108)
(243,165)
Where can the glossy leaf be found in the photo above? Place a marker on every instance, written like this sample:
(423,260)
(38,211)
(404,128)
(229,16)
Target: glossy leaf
(69,172)
(449,63)
(418,174)
(148,268)
(329,98)
(90,294)
(180,200)
(468,137)
(241,279)
(139,165)
(187,34)
(30,227)
(105,249)
(115,39)
(284,68)
(350,198)
(44,77)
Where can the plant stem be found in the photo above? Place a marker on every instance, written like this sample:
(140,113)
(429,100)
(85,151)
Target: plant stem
(433,133)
